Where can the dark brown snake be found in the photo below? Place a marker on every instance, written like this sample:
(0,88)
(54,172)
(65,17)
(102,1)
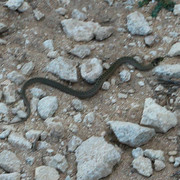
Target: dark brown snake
(94,89)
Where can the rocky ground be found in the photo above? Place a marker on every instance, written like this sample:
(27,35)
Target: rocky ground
(128,130)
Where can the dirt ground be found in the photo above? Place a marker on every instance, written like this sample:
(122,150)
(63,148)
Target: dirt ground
(23,26)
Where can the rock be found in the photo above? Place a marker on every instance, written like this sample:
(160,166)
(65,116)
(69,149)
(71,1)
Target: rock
(74,143)
(77,105)
(3,42)
(110,2)
(46,173)
(157,117)
(172,153)
(150,40)
(89,119)
(143,166)
(33,135)
(18,140)
(24,7)
(171,159)
(122,96)
(27,68)
(77,118)
(76,14)
(38,93)
(43,145)
(137,152)
(125,76)
(95,159)
(9,93)
(38,14)
(10,176)
(131,134)
(47,106)
(175,50)
(5,134)
(58,161)
(106,85)
(81,51)
(9,162)
(21,114)
(48,45)
(176,9)
(64,68)
(168,70)
(52,54)
(16,77)
(159,165)
(177,162)
(167,39)
(154,154)
(61,11)
(141,83)
(3,109)
(3,28)
(137,25)
(30,160)
(14,4)
(91,70)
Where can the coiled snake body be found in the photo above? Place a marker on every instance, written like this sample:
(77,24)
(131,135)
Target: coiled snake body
(94,89)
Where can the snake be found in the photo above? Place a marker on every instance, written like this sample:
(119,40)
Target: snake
(95,87)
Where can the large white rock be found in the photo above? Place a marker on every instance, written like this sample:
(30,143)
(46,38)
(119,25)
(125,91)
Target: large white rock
(95,158)
(14,4)
(175,50)
(137,24)
(131,134)
(176,9)
(16,77)
(10,176)
(157,117)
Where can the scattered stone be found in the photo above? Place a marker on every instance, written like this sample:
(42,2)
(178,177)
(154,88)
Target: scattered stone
(10,176)
(77,118)
(68,178)
(167,39)
(91,70)
(81,51)
(159,88)
(122,96)
(16,77)
(150,40)
(19,141)
(33,135)
(48,45)
(137,152)
(38,14)
(177,162)
(61,11)
(143,166)
(3,109)
(46,173)
(125,76)
(30,160)
(159,165)
(73,128)
(43,145)
(74,143)
(171,159)
(131,134)
(154,154)
(175,50)
(106,85)
(89,119)
(95,158)
(21,114)
(58,161)
(137,24)
(77,105)
(172,153)
(76,14)
(9,162)
(110,2)
(47,106)
(5,134)
(3,42)
(27,68)
(52,54)
(3,28)
(64,68)
(157,117)
(9,93)
(141,83)
(24,7)
(38,93)
(14,4)
(176,9)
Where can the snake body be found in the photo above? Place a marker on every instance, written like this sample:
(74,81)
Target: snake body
(94,89)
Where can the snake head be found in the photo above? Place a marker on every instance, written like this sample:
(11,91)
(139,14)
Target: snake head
(156,61)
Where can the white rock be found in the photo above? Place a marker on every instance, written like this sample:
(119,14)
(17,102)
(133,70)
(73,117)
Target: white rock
(77,118)
(77,104)
(10,176)
(141,83)
(137,152)
(130,133)
(43,145)
(46,173)
(9,161)
(38,93)
(3,42)
(3,108)
(159,165)
(21,114)
(154,154)
(18,140)
(110,2)
(76,14)
(143,166)
(30,160)
(14,4)
(33,134)
(9,93)
(52,54)
(150,40)
(91,70)
(157,117)
(177,162)
(176,9)
(5,134)
(64,68)
(89,119)
(47,106)
(95,159)
(106,85)
(61,11)
(27,68)
(168,70)
(16,77)
(122,96)
(125,75)
(38,14)
(3,28)
(175,50)
(137,25)
(81,51)
(167,39)
(74,143)
(48,44)
(24,7)
(58,161)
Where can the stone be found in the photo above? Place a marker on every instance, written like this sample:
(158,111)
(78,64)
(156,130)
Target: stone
(175,50)
(77,105)
(16,77)
(95,159)
(125,76)
(38,14)
(14,4)
(106,85)
(77,118)
(137,152)
(76,14)
(9,93)
(24,7)
(33,135)
(74,143)
(159,165)
(27,68)
(3,28)
(10,176)
(131,134)
(137,25)
(48,45)
(177,162)
(52,54)
(5,134)
(150,40)
(3,42)
(157,117)
(89,119)
(30,160)
(47,106)
(176,9)
(154,154)
(3,109)
(38,93)
(61,11)
(110,2)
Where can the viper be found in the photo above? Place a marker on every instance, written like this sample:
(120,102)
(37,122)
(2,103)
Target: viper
(94,89)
